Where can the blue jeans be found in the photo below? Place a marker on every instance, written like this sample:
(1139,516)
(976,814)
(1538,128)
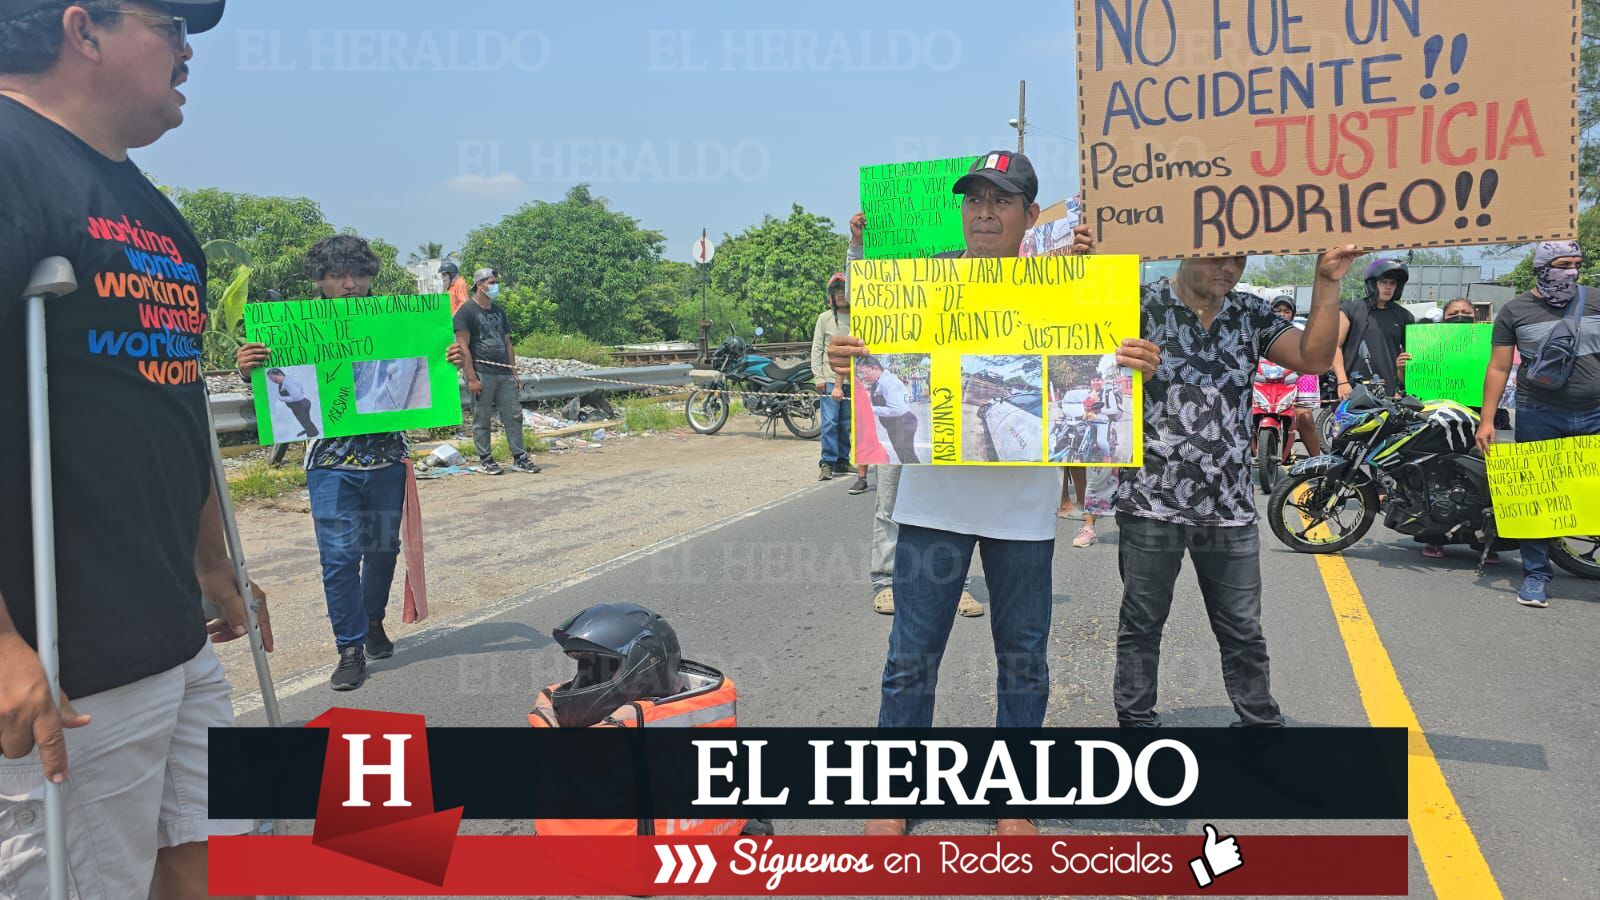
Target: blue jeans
(835,427)
(357,515)
(1544,423)
(930,570)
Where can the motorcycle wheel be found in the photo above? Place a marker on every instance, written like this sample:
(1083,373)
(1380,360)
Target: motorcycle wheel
(1309,515)
(707,411)
(1578,555)
(1268,468)
(1325,427)
(804,416)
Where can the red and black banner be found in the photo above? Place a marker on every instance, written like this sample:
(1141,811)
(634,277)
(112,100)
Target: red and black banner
(388,794)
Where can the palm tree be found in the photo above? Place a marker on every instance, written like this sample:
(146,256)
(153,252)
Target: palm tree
(425,252)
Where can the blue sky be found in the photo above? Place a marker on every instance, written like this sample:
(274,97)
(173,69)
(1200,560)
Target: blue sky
(416,121)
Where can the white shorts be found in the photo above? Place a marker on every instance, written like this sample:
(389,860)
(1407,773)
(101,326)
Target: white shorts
(136,782)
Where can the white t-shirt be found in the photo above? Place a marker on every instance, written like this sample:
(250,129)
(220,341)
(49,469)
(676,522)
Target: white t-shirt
(1007,504)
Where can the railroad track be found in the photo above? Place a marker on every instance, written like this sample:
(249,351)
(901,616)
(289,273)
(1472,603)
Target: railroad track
(668,357)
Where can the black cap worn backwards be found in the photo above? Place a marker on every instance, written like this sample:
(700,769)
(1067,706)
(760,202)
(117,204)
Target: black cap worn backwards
(202,15)
(1010,172)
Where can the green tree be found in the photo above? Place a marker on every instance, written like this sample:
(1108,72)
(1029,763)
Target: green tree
(778,271)
(585,266)
(425,252)
(275,232)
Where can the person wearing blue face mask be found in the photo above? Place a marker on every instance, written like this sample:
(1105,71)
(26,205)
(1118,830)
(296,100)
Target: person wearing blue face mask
(1567,405)
(484,335)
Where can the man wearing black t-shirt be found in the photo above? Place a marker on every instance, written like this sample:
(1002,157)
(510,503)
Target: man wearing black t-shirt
(139,539)
(484,335)
(1372,330)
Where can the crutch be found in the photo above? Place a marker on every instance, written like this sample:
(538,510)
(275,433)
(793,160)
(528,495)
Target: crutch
(241,578)
(52,278)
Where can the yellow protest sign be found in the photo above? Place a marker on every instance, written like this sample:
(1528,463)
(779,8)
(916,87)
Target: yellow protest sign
(1546,489)
(1221,127)
(996,362)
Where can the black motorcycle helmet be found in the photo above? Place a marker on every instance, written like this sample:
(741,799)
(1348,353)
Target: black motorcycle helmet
(449,269)
(624,653)
(1386,268)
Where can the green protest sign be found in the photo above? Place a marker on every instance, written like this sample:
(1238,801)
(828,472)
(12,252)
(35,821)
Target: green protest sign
(1448,362)
(910,210)
(356,365)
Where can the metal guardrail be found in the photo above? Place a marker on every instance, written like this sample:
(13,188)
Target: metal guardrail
(235,412)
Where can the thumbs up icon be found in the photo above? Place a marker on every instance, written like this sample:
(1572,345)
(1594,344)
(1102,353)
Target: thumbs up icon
(1218,857)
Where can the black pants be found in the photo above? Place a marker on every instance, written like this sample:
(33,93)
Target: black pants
(302,411)
(902,437)
(1227,561)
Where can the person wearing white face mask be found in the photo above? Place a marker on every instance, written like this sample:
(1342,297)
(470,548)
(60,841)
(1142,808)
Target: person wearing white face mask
(1556,328)
(490,362)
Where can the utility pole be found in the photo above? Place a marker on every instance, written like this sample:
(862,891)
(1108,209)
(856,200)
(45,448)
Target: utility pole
(1022,112)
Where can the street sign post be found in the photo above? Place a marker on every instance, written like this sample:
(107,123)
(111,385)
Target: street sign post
(703,251)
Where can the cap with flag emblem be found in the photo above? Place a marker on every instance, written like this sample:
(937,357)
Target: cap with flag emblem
(1010,172)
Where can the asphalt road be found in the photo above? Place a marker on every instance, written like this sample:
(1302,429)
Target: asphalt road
(777,597)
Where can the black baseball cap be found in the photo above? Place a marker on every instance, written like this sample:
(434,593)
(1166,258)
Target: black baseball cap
(201,15)
(1010,172)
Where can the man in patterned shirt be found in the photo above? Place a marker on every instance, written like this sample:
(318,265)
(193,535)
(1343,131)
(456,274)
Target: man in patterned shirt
(1193,492)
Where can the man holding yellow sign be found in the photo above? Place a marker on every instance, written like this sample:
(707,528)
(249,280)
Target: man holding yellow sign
(945,513)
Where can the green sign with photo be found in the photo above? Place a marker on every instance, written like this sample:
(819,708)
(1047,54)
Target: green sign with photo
(356,365)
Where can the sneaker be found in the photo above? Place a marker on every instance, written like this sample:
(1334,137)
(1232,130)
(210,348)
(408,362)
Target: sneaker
(860,487)
(969,606)
(1432,551)
(825,471)
(525,464)
(490,467)
(1532,592)
(378,644)
(841,468)
(883,601)
(351,672)
(1086,537)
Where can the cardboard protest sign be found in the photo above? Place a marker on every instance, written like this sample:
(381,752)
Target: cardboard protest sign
(910,210)
(996,362)
(1285,126)
(353,366)
(1448,362)
(1546,489)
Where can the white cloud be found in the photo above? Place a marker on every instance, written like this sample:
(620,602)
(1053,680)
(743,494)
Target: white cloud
(505,184)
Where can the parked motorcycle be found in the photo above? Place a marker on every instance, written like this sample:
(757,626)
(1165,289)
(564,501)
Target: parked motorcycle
(734,368)
(1274,395)
(1422,459)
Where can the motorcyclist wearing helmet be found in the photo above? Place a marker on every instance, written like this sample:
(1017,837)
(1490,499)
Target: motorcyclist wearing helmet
(455,284)
(835,320)
(1305,420)
(1372,330)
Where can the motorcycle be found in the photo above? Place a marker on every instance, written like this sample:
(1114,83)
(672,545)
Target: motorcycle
(1074,438)
(734,368)
(1273,398)
(1421,458)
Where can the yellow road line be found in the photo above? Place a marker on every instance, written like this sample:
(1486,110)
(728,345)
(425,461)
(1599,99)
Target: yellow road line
(1449,851)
